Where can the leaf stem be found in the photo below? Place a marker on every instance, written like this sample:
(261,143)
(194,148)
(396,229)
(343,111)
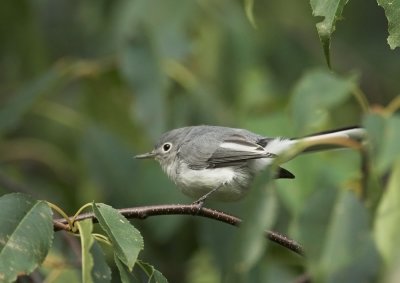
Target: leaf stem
(62,213)
(359,95)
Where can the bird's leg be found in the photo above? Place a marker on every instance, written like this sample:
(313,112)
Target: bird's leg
(201,200)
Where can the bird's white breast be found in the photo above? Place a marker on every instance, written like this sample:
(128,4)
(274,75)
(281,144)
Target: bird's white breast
(195,183)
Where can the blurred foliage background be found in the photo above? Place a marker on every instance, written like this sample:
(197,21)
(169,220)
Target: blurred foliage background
(85,85)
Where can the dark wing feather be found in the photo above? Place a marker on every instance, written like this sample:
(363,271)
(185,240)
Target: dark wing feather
(224,156)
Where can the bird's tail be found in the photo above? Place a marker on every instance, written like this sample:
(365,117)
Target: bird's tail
(348,137)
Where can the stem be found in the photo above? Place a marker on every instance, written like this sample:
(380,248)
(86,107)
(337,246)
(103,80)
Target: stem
(361,98)
(63,214)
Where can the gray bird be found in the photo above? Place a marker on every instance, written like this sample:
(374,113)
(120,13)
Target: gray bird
(221,163)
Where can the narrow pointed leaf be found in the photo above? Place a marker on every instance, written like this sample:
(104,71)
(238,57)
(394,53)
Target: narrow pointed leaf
(26,235)
(249,6)
(386,228)
(94,266)
(154,275)
(126,239)
(85,232)
(125,275)
(331,11)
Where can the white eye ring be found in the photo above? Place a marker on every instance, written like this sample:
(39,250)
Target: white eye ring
(167,146)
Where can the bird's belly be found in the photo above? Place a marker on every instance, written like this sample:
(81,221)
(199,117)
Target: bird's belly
(232,185)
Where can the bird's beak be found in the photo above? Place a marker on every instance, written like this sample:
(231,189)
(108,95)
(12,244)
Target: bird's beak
(150,154)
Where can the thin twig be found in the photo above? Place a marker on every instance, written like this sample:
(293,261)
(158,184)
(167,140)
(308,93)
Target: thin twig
(181,209)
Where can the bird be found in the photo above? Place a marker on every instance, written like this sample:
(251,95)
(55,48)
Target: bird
(220,163)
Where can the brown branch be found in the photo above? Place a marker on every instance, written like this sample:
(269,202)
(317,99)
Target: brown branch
(181,209)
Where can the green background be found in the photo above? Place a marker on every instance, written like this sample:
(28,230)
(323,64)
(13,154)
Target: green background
(85,85)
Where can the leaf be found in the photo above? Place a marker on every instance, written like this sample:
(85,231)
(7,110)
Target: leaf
(384,136)
(375,126)
(249,6)
(331,11)
(392,8)
(94,266)
(126,240)
(310,226)
(154,275)
(349,253)
(387,219)
(141,68)
(85,232)
(334,230)
(26,235)
(101,271)
(19,104)
(318,91)
(125,275)
(390,149)
(261,206)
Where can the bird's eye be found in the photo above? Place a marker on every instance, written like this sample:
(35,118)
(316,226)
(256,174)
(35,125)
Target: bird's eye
(167,146)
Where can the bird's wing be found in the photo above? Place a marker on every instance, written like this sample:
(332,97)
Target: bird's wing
(209,152)
(235,150)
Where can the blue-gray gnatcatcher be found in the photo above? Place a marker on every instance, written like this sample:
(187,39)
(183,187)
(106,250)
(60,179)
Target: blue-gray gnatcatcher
(221,162)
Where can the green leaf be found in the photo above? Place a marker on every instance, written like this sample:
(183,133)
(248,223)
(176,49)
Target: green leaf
(85,232)
(249,6)
(390,149)
(154,275)
(318,91)
(384,136)
(334,230)
(126,239)
(26,235)
(387,219)
(349,253)
(19,104)
(261,206)
(375,125)
(94,266)
(125,275)
(101,271)
(392,12)
(310,226)
(141,67)
(331,11)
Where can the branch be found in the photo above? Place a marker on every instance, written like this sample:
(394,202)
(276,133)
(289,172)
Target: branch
(180,209)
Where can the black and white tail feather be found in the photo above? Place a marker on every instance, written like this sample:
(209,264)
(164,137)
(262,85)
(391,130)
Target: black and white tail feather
(320,142)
